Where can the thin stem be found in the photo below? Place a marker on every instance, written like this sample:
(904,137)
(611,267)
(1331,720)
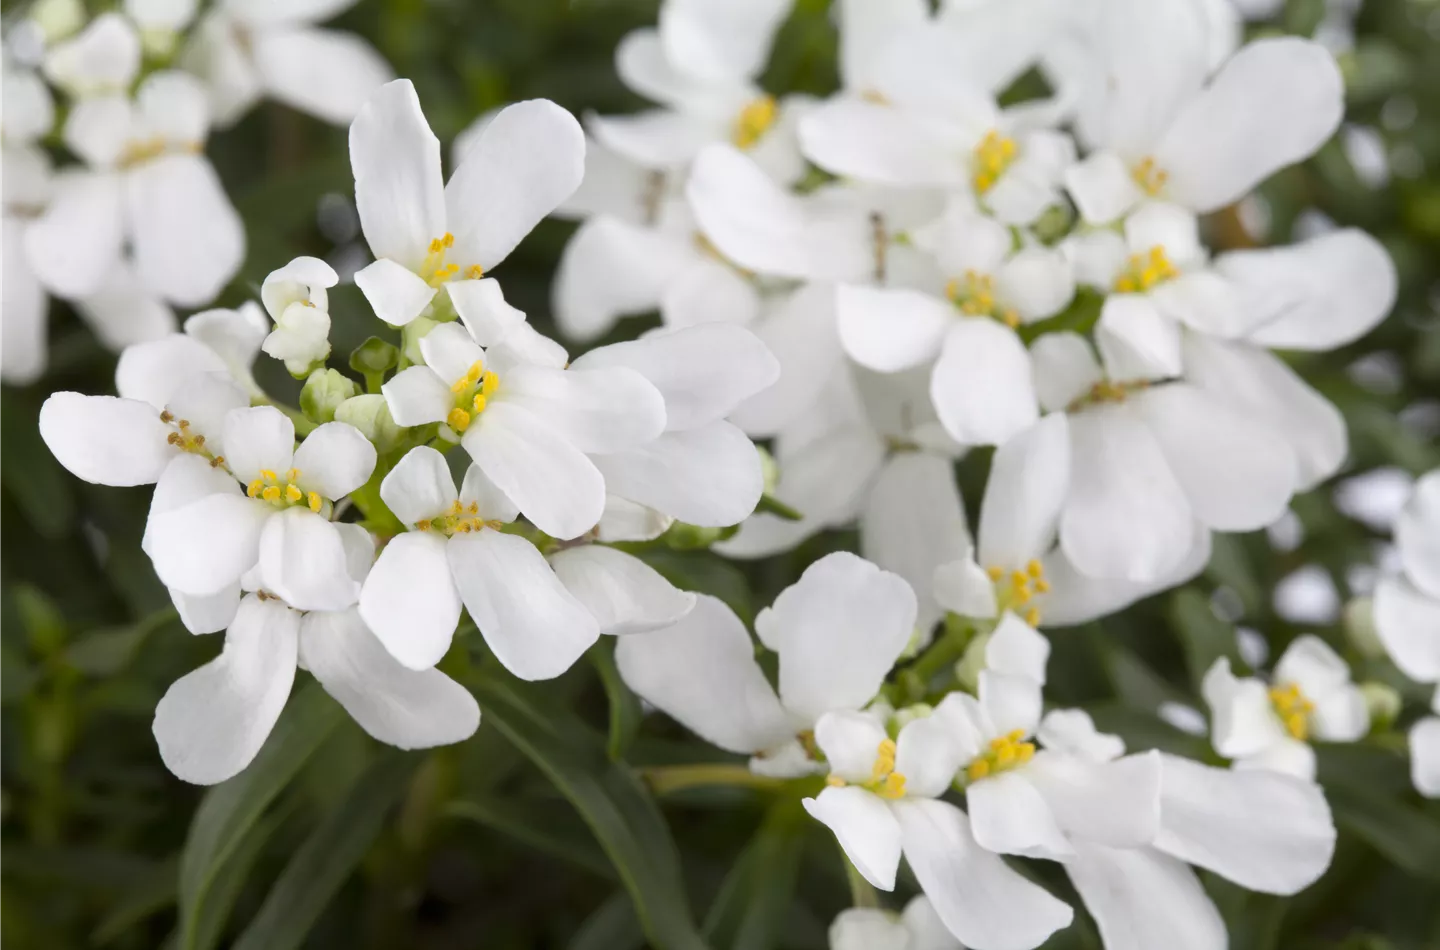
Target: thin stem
(947,649)
(862,893)
(668,779)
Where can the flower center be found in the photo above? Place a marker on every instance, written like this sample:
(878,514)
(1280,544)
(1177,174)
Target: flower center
(188,441)
(1150,177)
(143,150)
(434,268)
(460,519)
(284,492)
(1293,708)
(1144,271)
(974,294)
(1018,588)
(884,780)
(472,391)
(754,121)
(1008,752)
(992,156)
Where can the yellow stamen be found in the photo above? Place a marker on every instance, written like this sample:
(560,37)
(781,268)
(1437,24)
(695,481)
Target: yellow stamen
(1294,709)
(754,120)
(293,492)
(1149,177)
(459,419)
(315,502)
(1145,271)
(479,402)
(992,156)
(270,493)
(255,488)
(1004,753)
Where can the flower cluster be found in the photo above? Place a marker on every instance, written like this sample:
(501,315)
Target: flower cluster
(139,222)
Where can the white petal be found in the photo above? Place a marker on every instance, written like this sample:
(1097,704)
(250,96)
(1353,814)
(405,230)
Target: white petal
(851,742)
(411,709)
(1204,301)
(867,928)
(709,476)
(1018,649)
(258,439)
(24,307)
(326,73)
(1168,226)
(106,440)
(1417,534)
(629,521)
(607,409)
(1316,295)
(1243,721)
(1011,702)
(416,396)
(1425,756)
(104,56)
(483,310)
(450,351)
(1064,368)
(702,372)
(1125,517)
(1102,187)
(702,672)
(187,237)
(1009,816)
(235,335)
(613,186)
(1037,282)
(843,625)
(882,144)
(205,546)
(485,495)
(1408,623)
(890,329)
(549,480)
(1136,340)
(1076,598)
(982,385)
(74,245)
(530,158)
(1029,477)
(643,66)
(212,722)
(410,601)
(334,460)
(1341,715)
(963,587)
(1266,832)
(152,372)
(419,486)
(662,140)
(302,560)
(625,594)
(1235,475)
(216,53)
(396,161)
(1273,104)
(708,290)
(720,42)
(866,829)
(1142,899)
(207,614)
(396,294)
(981,900)
(1112,803)
(1073,732)
(928,756)
(913,522)
(1313,665)
(1287,756)
(171,106)
(123,311)
(188,478)
(534,626)
(525,345)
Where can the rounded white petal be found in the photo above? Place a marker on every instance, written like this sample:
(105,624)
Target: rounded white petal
(884,145)
(1029,478)
(710,476)
(1243,720)
(106,440)
(1408,623)
(1064,368)
(483,311)
(702,672)
(1017,649)
(530,158)
(707,290)
(851,743)
(211,723)
(1142,898)
(419,486)
(396,161)
(1113,803)
(124,311)
(24,308)
(154,371)
(207,545)
(187,237)
(1010,702)
(326,73)
(411,709)
(534,626)
(1417,534)
(662,140)
(73,246)
(451,351)
(258,439)
(1073,732)
(1102,187)
(842,626)
(1136,340)
(963,586)
(410,601)
(928,756)
(334,460)
(982,385)
(720,42)
(209,613)
(1037,282)
(302,561)
(1425,756)
(867,928)
(1008,815)
(890,329)
(397,294)
(866,829)
(625,594)
(606,409)
(1204,301)
(417,396)
(491,502)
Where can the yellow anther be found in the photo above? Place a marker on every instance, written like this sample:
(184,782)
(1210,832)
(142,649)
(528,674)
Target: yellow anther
(1293,708)
(423,524)
(478,403)
(473,508)
(217,461)
(315,501)
(1004,753)
(173,438)
(1019,580)
(835,781)
(490,383)
(270,493)
(458,419)
(995,573)
(977,770)
(1034,568)
(474,272)
(293,492)
(992,157)
(892,787)
(465,527)
(1041,585)
(449,239)
(255,488)
(166,417)
(293,475)
(268,475)
(1032,616)
(754,120)
(436,246)
(1149,177)
(1010,317)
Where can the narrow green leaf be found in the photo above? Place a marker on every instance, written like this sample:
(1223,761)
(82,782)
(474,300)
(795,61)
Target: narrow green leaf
(230,811)
(228,881)
(552,828)
(749,911)
(613,926)
(611,799)
(151,894)
(625,711)
(1402,834)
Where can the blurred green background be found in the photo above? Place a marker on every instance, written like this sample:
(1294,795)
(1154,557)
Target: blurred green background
(534,834)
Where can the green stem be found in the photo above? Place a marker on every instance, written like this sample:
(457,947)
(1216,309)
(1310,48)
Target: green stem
(862,893)
(947,649)
(668,779)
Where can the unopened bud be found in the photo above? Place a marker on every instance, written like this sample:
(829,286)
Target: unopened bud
(323,393)
(1359,621)
(370,414)
(1384,703)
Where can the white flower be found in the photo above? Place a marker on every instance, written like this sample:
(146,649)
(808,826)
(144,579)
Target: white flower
(454,552)
(1407,605)
(838,631)
(701,470)
(148,186)
(29,113)
(527,425)
(426,234)
(918,927)
(623,593)
(210,723)
(275,519)
(1268,726)
(295,298)
(1266,832)
(1425,752)
(244,49)
(1156,132)
(160,22)
(701,65)
(981,382)
(236,336)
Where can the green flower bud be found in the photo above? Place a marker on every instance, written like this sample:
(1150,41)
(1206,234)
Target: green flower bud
(411,336)
(972,664)
(1359,621)
(57,19)
(689,537)
(1384,703)
(369,413)
(903,717)
(323,393)
(374,356)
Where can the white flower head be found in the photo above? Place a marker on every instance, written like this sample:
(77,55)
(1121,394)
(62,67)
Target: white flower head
(295,298)
(917,927)
(1407,605)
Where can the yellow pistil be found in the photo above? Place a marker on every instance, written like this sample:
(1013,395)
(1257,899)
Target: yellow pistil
(1150,177)
(472,393)
(459,519)
(284,492)
(992,156)
(1293,708)
(1008,752)
(1015,590)
(1144,271)
(884,780)
(754,120)
(436,270)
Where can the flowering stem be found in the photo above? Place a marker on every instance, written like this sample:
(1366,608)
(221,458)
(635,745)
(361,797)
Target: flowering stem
(913,684)
(862,893)
(668,779)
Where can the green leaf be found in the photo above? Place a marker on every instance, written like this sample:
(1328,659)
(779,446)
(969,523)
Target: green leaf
(228,814)
(611,799)
(153,893)
(328,857)
(551,828)
(749,911)
(1204,636)
(228,881)
(612,927)
(1402,834)
(625,711)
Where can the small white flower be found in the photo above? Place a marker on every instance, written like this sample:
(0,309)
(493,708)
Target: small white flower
(211,722)
(1407,605)
(295,298)
(1425,752)
(1310,696)
(918,927)
(29,113)
(244,50)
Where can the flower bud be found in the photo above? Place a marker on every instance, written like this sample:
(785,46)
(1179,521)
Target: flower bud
(1384,703)
(323,393)
(689,537)
(57,19)
(370,414)
(301,338)
(1359,622)
(908,714)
